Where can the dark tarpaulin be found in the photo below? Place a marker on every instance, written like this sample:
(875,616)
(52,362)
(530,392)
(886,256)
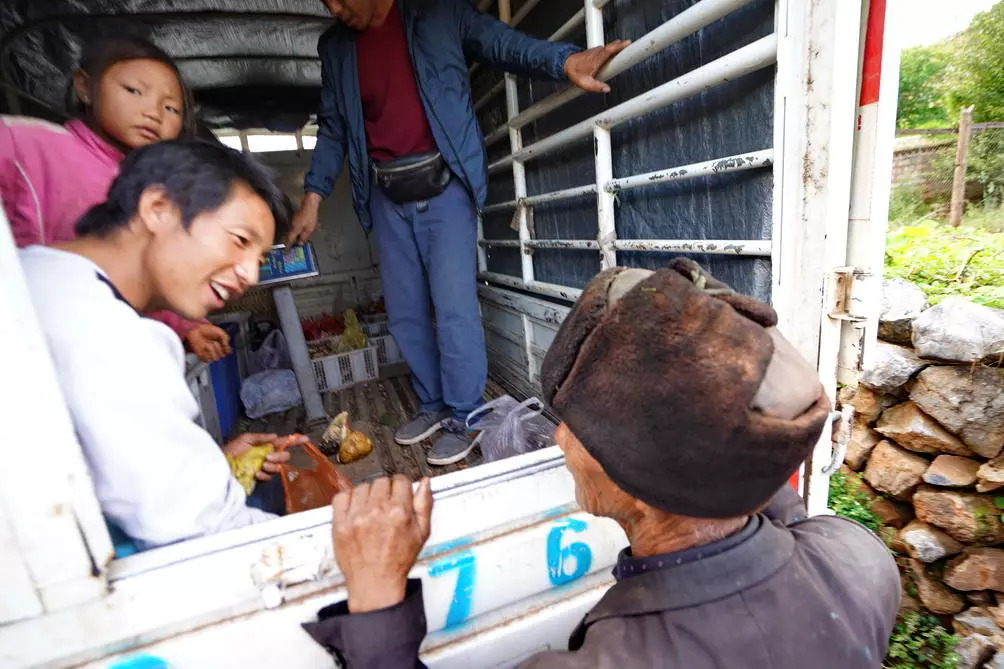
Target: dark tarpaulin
(251,63)
(732,118)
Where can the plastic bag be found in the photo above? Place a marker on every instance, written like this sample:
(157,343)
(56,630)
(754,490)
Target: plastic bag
(511,428)
(309,487)
(270,391)
(272,354)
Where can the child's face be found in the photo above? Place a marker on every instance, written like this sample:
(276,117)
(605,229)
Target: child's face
(196,271)
(139,102)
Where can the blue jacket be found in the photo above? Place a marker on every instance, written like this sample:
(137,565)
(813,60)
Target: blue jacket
(441,35)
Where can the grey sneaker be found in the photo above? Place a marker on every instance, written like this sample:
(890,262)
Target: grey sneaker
(454,445)
(421,427)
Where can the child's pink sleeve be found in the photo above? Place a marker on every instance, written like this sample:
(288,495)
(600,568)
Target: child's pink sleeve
(24,235)
(7,163)
(180,325)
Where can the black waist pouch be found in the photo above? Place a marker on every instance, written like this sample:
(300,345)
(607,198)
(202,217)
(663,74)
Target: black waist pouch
(421,176)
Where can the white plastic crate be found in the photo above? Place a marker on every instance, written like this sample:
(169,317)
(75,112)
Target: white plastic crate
(335,372)
(387,351)
(375,329)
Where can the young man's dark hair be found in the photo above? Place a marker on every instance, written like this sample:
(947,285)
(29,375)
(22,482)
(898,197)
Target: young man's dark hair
(197,175)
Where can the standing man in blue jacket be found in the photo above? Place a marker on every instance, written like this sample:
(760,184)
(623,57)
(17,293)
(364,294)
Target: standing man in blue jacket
(396,102)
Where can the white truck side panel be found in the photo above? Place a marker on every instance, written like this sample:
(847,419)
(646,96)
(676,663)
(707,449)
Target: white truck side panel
(813,143)
(503,534)
(52,524)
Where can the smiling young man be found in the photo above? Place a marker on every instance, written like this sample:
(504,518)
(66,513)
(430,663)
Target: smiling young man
(396,104)
(184,228)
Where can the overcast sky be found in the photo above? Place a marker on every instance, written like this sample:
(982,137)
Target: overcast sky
(918,22)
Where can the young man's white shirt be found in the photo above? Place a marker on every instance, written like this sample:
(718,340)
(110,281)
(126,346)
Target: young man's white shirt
(157,474)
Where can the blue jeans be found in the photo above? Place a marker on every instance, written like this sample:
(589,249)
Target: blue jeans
(428,267)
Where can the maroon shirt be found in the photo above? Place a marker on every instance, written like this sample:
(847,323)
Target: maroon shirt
(392,107)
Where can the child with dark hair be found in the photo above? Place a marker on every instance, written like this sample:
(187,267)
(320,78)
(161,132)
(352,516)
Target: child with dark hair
(184,228)
(126,94)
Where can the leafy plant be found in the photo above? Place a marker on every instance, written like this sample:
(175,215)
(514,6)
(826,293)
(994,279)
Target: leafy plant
(985,164)
(920,642)
(906,204)
(921,71)
(847,500)
(945,261)
(973,75)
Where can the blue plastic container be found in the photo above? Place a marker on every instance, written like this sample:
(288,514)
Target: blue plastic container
(227,384)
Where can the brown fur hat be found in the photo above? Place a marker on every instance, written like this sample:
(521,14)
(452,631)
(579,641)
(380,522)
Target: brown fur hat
(664,379)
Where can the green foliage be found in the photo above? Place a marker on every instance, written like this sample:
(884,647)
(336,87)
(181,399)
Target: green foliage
(906,204)
(921,70)
(945,261)
(846,500)
(936,81)
(975,74)
(985,163)
(920,642)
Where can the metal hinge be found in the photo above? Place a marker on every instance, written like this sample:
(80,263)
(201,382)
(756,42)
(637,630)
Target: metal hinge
(846,286)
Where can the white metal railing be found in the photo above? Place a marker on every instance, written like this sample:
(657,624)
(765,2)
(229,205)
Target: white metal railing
(705,246)
(602,155)
(750,58)
(683,24)
(737,163)
(540,287)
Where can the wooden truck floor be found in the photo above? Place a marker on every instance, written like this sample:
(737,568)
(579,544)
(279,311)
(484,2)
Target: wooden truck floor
(377,408)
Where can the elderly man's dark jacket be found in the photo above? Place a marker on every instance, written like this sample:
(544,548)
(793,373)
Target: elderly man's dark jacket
(797,593)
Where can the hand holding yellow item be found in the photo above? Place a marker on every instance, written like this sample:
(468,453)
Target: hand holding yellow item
(254,456)
(249,463)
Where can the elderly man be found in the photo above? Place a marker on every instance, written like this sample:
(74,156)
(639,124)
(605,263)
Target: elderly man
(684,411)
(396,105)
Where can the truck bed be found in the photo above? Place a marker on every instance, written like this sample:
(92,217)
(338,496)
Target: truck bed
(377,408)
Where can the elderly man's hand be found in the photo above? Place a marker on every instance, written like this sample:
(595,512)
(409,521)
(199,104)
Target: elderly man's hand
(581,68)
(378,530)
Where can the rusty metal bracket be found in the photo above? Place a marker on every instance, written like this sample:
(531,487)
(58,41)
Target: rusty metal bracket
(846,286)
